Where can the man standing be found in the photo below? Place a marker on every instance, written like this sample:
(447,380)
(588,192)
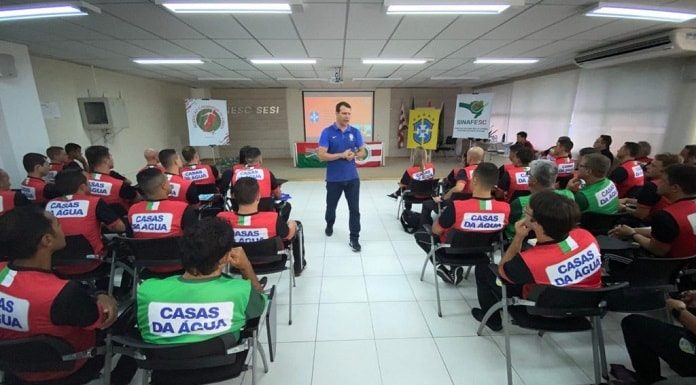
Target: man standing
(602,144)
(522,139)
(339,144)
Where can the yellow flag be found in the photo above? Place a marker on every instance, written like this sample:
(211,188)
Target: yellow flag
(422,128)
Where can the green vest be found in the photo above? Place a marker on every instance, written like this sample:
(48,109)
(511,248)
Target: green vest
(524,202)
(174,310)
(602,197)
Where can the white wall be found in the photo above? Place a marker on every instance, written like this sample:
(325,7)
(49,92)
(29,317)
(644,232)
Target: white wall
(22,128)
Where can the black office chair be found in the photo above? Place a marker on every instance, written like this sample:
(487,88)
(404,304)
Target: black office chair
(558,310)
(447,145)
(598,224)
(150,255)
(462,249)
(78,255)
(417,192)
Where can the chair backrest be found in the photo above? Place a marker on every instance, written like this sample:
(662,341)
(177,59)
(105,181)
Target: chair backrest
(598,224)
(470,242)
(35,354)
(77,251)
(263,252)
(423,187)
(554,301)
(155,251)
(656,271)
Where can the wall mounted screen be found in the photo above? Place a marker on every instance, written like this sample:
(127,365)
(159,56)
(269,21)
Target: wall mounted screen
(320,112)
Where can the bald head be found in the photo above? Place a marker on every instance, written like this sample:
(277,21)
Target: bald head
(4,180)
(150,155)
(474,155)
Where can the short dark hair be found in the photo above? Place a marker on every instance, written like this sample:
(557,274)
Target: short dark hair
(252,155)
(242,154)
(556,214)
(645,148)
(690,151)
(514,148)
(668,159)
(606,139)
(149,179)
(342,104)
(598,164)
(682,175)
(487,173)
(21,230)
(31,160)
(567,144)
(69,181)
(633,148)
(53,151)
(96,155)
(70,147)
(525,155)
(246,190)
(522,134)
(588,150)
(204,244)
(166,157)
(188,153)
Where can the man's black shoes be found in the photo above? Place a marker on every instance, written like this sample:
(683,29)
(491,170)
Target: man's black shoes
(355,245)
(494,323)
(444,273)
(328,231)
(392,195)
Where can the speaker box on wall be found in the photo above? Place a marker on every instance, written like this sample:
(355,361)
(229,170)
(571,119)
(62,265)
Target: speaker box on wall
(7,66)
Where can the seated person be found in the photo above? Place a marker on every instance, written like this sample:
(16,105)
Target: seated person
(36,302)
(252,225)
(566,166)
(542,177)
(688,154)
(602,144)
(513,182)
(583,151)
(151,160)
(33,187)
(197,172)
(549,152)
(466,216)
(58,159)
(81,213)
(511,156)
(75,158)
(9,199)
(221,305)
(116,192)
(628,177)
(182,190)
(593,192)
(672,234)
(268,184)
(552,217)
(648,340)
(226,178)
(421,170)
(643,157)
(649,201)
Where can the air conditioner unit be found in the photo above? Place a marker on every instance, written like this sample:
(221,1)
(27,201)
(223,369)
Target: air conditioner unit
(670,43)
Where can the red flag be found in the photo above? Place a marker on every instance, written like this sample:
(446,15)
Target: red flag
(403,128)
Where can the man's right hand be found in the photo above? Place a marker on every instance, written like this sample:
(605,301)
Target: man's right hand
(348,154)
(238,258)
(574,184)
(109,308)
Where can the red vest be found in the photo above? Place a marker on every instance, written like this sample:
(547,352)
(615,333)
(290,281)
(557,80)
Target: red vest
(7,199)
(479,215)
(684,212)
(635,177)
(198,173)
(469,174)
(237,166)
(55,169)
(415,173)
(251,228)
(77,215)
(26,298)
(662,203)
(261,174)
(33,189)
(180,187)
(566,167)
(156,219)
(575,262)
(108,188)
(519,180)
(150,166)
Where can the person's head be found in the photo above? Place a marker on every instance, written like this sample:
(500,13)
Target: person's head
(521,137)
(99,156)
(343,113)
(602,143)
(513,152)
(657,166)
(552,215)
(153,184)
(484,177)
(688,154)
(252,156)
(419,156)
(542,175)
(205,245)
(246,191)
(150,155)
(36,164)
(73,150)
(71,181)
(29,231)
(628,151)
(242,154)
(475,155)
(645,149)
(170,159)
(563,147)
(190,154)
(679,182)
(593,167)
(585,151)
(524,156)
(57,154)
(4,180)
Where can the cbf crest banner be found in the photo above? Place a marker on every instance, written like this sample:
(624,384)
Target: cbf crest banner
(472,117)
(423,128)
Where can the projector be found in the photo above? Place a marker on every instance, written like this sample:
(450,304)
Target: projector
(337,78)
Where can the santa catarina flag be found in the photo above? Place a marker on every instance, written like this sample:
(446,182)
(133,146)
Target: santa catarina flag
(423,128)
(374,155)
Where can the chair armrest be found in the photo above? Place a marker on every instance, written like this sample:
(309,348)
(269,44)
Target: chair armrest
(89,353)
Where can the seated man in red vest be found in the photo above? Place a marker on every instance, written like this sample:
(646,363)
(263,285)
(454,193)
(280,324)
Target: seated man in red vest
(58,159)
(182,190)
(628,177)
(268,184)
(75,158)
(649,201)
(420,170)
(116,192)
(226,179)
(673,229)
(480,214)
(514,182)
(688,154)
(151,160)
(9,199)
(563,255)
(82,213)
(566,166)
(643,157)
(36,302)
(33,187)
(251,225)
(197,172)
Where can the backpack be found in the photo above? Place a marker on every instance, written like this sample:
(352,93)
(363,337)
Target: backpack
(410,220)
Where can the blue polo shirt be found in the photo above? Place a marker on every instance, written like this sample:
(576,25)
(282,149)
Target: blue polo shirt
(341,170)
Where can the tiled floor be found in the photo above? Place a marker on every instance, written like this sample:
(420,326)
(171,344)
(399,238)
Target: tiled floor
(365,318)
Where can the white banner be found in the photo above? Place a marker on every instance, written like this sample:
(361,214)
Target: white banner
(207,122)
(472,117)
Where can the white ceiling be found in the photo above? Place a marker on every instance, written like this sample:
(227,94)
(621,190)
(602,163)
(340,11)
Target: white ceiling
(338,33)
